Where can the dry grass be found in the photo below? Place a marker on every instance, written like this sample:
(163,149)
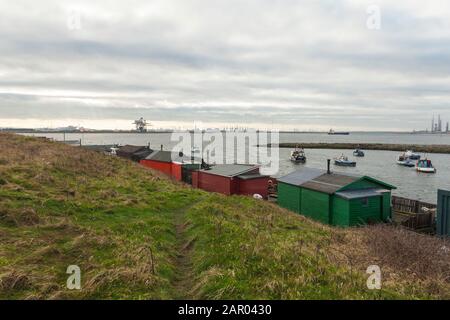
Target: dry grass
(14,281)
(404,256)
(19,217)
(62,205)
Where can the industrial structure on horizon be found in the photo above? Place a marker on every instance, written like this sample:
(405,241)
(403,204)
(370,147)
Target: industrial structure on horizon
(141,125)
(437,126)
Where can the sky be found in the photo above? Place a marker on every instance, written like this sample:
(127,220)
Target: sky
(287,64)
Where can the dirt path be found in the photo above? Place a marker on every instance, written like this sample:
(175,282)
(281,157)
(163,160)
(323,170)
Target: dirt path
(183,281)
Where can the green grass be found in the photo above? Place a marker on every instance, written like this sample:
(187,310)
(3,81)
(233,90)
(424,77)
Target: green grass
(138,235)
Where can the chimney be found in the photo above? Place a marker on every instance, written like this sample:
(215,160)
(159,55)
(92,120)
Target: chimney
(328,166)
(148,146)
(161,147)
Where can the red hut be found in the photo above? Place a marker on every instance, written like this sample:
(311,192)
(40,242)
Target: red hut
(232,179)
(170,163)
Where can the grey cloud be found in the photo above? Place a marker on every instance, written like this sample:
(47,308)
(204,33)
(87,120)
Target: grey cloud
(227,61)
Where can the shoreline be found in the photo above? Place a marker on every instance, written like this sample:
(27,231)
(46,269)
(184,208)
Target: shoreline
(443,149)
(118,131)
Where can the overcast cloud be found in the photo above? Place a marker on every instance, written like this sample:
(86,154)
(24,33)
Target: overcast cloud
(290,64)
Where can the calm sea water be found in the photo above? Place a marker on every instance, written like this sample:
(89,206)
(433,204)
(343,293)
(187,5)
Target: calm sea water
(378,164)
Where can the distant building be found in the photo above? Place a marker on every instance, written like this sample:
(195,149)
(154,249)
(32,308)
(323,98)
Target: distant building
(437,127)
(141,125)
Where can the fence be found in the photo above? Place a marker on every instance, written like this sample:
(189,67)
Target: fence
(415,214)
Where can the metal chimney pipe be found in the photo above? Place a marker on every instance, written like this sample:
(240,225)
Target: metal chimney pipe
(328,166)
(161,147)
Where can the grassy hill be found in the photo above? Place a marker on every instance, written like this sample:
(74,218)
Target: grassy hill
(138,235)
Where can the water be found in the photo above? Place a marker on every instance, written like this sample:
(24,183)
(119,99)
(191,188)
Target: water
(368,137)
(378,164)
(382,166)
(356,137)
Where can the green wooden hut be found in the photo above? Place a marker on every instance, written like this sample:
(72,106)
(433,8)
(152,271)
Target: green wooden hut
(335,198)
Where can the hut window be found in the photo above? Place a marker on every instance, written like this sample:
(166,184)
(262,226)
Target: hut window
(365,202)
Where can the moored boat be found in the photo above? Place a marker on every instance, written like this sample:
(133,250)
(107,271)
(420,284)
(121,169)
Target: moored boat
(412,155)
(425,166)
(358,153)
(298,155)
(343,161)
(405,161)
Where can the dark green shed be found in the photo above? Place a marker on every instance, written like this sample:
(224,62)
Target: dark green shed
(335,198)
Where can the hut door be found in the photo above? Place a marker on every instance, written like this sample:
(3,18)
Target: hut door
(443,213)
(186,175)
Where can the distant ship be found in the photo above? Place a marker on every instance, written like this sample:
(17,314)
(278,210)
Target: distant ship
(343,133)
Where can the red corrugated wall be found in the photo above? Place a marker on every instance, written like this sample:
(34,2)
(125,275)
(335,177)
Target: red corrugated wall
(171,169)
(195,179)
(176,171)
(252,186)
(214,183)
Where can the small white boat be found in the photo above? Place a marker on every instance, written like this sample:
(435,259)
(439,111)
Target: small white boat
(412,155)
(425,166)
(343,161)
(405,161)
(358,153)
(298,155)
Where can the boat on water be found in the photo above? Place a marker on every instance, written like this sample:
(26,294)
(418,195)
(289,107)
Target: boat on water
(412,155)
(343,161)
(405,161)
(358,153)
(342,133)
(425,166)
(298,155)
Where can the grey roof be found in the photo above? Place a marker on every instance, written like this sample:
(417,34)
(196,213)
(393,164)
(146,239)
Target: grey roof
(129,149)
(318,180)
(329,183)
(301,176)
(364,193)
(142,154)
(167,156)
(252,176)
(230,170)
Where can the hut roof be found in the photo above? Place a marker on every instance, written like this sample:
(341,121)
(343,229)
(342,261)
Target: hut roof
(130,149)
(320,180)
(168,156)
(357,194)
(142,154)
(252,176)
(329,183)
(230,170)
(301,176)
